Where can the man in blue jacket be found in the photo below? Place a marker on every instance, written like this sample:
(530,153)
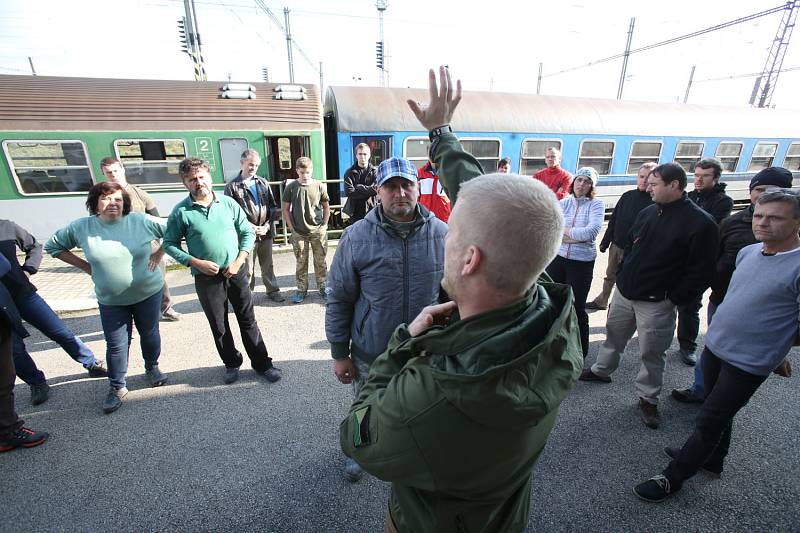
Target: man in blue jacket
(387,268)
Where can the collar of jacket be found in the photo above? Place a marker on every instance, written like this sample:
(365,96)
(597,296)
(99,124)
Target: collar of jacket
(675,204)
(716,189)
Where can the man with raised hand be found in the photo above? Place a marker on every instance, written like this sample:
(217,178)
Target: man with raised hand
(456,412)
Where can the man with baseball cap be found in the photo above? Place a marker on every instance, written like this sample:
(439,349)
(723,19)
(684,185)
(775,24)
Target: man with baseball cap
(388,266)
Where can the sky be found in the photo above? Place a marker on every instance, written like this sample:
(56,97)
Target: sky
(494,45)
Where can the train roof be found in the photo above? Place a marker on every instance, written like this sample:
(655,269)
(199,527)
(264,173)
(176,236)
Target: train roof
(49,103)
(376,109)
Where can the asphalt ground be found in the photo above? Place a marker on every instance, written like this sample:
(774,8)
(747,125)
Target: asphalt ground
(198,455)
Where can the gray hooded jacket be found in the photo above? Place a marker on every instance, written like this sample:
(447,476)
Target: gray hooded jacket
(379,280)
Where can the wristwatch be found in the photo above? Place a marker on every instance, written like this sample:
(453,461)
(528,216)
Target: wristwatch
(437,132)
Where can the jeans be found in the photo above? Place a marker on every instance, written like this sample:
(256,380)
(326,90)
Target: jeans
(730,388)
(578,275)
(9,421)
(36,311)
(214,293)
(117,328)
(689,324)
(697,387)
(655,322)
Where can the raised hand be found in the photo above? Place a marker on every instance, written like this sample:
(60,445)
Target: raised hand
(439,111)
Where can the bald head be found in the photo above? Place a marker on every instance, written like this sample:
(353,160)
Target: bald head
(515,221)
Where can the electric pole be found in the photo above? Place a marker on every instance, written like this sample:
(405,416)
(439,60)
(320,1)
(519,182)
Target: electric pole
(765,84)
(379,45)
(289,43)
(625,59)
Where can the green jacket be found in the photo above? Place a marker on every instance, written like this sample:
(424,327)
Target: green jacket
(456,417)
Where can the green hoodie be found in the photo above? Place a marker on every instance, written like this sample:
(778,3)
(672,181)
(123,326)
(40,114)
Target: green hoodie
(456,417)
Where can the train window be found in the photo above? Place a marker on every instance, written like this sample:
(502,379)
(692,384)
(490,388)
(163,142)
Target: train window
(151,161)
(416,150)
(688,153)
(728,154)
(230,150)
(46,167)
(643,152)
(486,151)
(792,159)
(284,153)
(763,155)
(532,160)
(597,154)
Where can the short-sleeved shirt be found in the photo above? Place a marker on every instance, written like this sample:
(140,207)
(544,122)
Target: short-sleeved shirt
(141,202)
(306,205)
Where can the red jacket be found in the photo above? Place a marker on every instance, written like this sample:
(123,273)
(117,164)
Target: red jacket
(431,193)
(557,179)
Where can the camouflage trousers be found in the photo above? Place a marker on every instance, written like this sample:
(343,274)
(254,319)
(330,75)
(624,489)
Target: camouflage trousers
(318,242)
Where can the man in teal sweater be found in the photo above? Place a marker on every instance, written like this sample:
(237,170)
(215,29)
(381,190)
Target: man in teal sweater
(219,239)
(457,410)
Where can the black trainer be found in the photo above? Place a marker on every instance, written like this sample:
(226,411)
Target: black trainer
(39,393)
(709,468)
(23,438)
(588,375)
(656,489)
(98,369)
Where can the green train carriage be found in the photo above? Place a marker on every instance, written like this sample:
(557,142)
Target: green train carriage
(54,132)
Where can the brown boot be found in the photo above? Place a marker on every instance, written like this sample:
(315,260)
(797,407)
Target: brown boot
(649,414)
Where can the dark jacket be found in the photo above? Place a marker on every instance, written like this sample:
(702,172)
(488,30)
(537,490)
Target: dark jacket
(261,214)
(358,188)
(671,253)
(714,202)
(9,315)
(13,237)
(735,233)
(622,217)
(457,417)
(379,280)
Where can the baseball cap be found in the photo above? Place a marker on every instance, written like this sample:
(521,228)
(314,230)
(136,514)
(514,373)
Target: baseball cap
(396,167)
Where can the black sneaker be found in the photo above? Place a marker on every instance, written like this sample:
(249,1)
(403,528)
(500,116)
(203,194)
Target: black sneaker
(656,489)
(688,357)
(588,375)
(594,306)
(709,468)
(22,438)
(686,396)
(649,414)
(272,374)
(98,369)
(113,400)
(231,375)
(39,393)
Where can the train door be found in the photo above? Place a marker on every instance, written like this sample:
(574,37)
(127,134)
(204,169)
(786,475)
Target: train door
(282,152)
(380,147)
(231,150)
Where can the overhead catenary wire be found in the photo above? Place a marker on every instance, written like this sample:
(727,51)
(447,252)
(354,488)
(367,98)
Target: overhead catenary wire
(672,40)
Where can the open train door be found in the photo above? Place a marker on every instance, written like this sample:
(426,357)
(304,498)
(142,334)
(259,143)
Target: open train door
(282,152)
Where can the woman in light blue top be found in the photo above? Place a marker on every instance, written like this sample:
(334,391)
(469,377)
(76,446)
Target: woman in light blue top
(118,246)
(574,264)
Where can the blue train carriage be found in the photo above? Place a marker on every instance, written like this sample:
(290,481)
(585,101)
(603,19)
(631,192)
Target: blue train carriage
(55,131)
(615,137)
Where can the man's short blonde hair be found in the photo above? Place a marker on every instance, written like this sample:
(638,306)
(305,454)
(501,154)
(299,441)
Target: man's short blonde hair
(304,162)
(517,224)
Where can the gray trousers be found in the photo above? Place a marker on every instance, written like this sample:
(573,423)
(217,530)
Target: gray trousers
(614,259)
(166,298)
(655,324)
(262,249)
